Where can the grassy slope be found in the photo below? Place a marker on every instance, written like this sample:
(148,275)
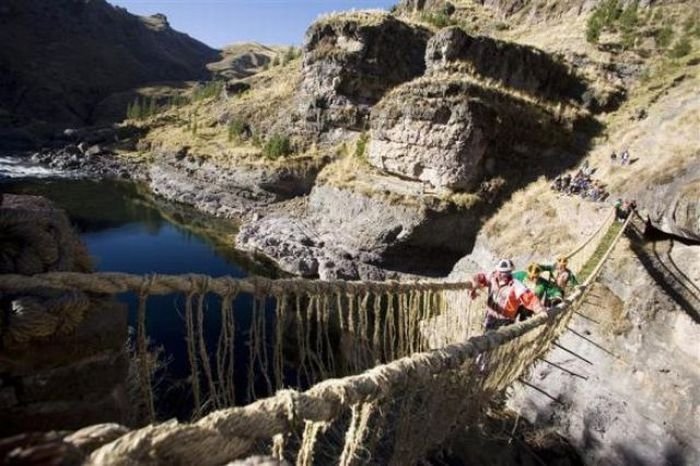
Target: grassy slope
(267,102)
(664,142)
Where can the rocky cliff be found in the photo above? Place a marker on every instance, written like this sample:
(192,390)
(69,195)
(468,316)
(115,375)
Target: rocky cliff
(350,62)
(86,51)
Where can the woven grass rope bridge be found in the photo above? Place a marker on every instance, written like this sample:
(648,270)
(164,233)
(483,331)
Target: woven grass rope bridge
(334,372)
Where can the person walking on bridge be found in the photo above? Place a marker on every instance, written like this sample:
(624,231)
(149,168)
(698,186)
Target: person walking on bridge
(508,298)
(563,275)
(547,291)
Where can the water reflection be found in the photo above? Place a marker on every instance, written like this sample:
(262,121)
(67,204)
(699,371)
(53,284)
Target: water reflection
(127,230)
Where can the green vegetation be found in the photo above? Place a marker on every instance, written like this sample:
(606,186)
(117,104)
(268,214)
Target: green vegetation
(603,18)
(691,25)
(632,24)
(439,20)
(663,36)
(277,146)
(142,108)
(600,251)
(681,48)
(290,54)
(361,146)
(236,129)
(207,91)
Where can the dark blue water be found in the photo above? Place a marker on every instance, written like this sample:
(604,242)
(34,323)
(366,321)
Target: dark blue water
(126,230)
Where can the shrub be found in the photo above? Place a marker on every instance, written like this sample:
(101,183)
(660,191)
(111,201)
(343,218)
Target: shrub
(663,36)
(603,17)
(289,55)
(143,107)
(692,25)
(361,145)
(611,12)
(277,146)
(593,29)
(208,90)
(628,17)
(275,61)
(439,20)
(236,129)
(681,48)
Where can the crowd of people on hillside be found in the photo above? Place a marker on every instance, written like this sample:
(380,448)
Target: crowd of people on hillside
(581,184)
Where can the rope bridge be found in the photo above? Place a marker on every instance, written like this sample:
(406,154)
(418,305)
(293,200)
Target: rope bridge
(378,393)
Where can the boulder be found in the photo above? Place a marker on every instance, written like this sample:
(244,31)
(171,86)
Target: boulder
(674,207)
(432,130)
(349,235)
(350,61)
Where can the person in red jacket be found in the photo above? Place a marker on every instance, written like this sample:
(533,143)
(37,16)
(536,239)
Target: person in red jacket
(508,298)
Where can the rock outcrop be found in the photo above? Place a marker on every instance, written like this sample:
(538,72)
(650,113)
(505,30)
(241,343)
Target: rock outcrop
(518,67)
(449,132)
(435,131)
(674,207)
(350,61)
(348,235)
(226,191)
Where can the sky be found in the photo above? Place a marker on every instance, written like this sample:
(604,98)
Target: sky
(221,22)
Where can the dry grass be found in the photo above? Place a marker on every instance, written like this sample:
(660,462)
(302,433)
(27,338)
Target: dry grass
(368,17)
(263,107)
(539,223)
(661,144)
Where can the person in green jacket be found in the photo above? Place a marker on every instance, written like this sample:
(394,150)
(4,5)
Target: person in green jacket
(563,276)
(546,290)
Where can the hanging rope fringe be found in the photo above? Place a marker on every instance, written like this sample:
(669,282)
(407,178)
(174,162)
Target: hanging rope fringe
(143,357)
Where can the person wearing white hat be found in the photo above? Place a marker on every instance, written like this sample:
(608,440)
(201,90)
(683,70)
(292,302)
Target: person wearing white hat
(506,295)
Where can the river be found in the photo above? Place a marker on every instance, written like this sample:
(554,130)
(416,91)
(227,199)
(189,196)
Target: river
(127,230)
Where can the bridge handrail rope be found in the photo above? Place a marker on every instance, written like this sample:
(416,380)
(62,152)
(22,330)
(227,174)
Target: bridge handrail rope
(603,225)
(116,282)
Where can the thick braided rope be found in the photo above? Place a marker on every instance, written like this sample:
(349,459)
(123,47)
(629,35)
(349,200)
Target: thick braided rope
(36,317)
(114,283)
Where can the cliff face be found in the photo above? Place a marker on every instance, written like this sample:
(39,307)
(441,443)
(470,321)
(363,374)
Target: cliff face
(87,50)
(478,100)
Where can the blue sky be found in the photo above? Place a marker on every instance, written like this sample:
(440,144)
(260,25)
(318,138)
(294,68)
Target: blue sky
(221,22)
